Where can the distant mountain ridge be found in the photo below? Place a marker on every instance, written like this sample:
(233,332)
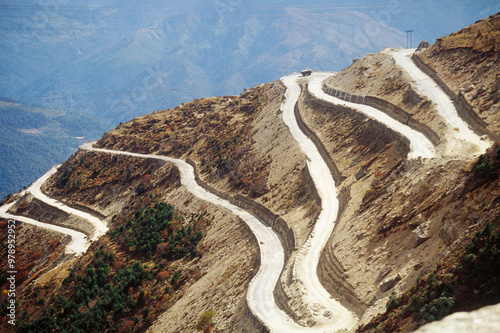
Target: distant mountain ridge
(177,59)
(118,60)
(33,139)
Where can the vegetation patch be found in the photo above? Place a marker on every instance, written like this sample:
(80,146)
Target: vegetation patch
(94,299)
(463,282)
(158,225)
(124,281)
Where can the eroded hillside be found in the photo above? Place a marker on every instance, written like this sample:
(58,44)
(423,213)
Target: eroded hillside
(468,62)
(170,256)
(129,274)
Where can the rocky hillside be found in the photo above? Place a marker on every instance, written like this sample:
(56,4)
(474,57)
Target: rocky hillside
(467,61)
(416,238)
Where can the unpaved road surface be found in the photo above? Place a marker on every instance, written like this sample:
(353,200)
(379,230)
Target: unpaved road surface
(461,139)
(305,266)
(35,189)
(420,146)
(260,295)
(79,242)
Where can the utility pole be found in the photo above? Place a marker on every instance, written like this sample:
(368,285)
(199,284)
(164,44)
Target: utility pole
(408,38)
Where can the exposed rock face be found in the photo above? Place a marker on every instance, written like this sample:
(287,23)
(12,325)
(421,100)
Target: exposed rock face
(423,45)
(383,273)
(389,283)
(422,233)
(411,96)
(449,233)
(485,320)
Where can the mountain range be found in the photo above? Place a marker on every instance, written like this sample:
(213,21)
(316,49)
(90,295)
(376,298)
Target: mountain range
(116,61)
(33,139)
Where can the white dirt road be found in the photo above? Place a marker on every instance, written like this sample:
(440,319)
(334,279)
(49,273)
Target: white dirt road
(36,191)
(260,295)
(461,139)
(420,146)
(305,266)
(79,242)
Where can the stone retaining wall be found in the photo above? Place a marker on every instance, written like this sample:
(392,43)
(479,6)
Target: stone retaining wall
(390,109)
(255,320)
(333,276)
(317,103)
(272,220)
(43,212)
(84,209)
(337,176)
(464,109)
(262,328)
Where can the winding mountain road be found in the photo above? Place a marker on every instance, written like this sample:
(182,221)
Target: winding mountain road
(461,138)
(260,295)
(332,316)
(79,242)
(420,146)
(99,227)
(306,263)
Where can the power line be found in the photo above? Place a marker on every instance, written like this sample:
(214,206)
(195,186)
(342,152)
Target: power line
(408,38)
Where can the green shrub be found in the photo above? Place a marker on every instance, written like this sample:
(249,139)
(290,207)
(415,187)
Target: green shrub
(483,168)
(144,232)
(393,301)
(205,321)
(175,278)
(416,302)
(71,313)
(437,309)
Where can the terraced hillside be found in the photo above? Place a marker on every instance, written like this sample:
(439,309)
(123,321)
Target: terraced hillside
(306,204)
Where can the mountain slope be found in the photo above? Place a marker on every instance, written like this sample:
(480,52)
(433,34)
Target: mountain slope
(402,219)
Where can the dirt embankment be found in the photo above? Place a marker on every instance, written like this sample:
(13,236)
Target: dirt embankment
(37,251)
(239,144)
(242,147)
(227,268)
(402,215)
(119,186)
(468,61)
(359,148)
(377,77)
(460,213)
(40,211)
